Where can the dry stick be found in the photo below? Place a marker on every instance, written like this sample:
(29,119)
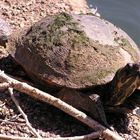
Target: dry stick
(11,120)
(23,114)
(4,86)
(92,136)
(27,89)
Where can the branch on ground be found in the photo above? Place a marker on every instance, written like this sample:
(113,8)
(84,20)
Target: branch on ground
(92,136)
(43,96)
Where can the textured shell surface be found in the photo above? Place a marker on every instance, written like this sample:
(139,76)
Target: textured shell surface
(75,51)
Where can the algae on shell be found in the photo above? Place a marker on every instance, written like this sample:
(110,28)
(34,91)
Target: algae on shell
(61,52)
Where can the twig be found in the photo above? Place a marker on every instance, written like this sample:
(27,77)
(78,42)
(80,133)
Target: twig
(4,86)
(27,89)
(1,105)
(91,136)
(11,120)
(15,117)
(7,122)
(23,114)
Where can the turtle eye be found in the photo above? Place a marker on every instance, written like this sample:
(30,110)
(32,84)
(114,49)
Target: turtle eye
(137,67)
(129,66)
(132,68)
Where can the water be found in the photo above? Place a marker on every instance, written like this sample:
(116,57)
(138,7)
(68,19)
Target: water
(123,13)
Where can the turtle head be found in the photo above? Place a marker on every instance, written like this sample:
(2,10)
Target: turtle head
(5,32)
(129,75)
(124,83)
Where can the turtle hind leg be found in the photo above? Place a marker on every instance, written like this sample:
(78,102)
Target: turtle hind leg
(89,104)
(124,83)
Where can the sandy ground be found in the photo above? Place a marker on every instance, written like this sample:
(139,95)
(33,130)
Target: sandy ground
(47,120)
(21,13)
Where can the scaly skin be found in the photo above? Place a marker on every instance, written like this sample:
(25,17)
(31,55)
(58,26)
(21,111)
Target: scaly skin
(124,83)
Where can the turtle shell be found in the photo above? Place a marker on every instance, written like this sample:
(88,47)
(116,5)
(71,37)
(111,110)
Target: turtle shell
(75,51)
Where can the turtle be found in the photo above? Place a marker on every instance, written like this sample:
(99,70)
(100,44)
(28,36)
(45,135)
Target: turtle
(87,61)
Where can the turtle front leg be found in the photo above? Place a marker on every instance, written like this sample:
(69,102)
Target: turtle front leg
(89,104)
(124,83)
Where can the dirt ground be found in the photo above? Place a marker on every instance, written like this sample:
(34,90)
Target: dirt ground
(21,13)
(46,119)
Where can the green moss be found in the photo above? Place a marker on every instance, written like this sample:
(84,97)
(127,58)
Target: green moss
(61,44)
(80,38)
(59,21)
(127,47)
(55,28)
(124,42)
(96,77)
